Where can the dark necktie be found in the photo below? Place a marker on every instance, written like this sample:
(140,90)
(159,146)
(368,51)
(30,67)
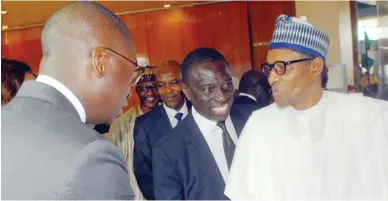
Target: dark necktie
(179,116)
(229,146)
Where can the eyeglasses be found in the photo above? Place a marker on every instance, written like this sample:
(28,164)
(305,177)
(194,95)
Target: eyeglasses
(137,72)
(145,88)
(280,67)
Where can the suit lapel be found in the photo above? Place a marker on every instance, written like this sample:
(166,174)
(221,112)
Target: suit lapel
(198,147)
(238,121)
(163,121)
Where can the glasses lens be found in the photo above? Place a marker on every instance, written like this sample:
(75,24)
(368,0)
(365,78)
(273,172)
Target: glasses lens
(145,88)
(280,68)
(266,68)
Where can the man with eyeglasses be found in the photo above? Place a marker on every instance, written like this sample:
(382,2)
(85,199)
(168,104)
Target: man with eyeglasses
(121,130)
(86,74)
(311,144)
(152,126)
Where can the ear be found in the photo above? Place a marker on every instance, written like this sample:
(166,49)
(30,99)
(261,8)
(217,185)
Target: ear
(316,66)
(187,92)
(99,64)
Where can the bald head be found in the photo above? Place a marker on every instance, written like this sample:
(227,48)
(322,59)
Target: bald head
(87,47)
(81,25)
(169,66)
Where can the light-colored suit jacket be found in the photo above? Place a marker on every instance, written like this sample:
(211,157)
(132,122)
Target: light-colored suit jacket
(121,134)
(48,153)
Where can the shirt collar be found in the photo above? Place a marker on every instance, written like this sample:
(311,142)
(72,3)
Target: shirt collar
(247,95)
(171,112)
(206,126)
(66,92)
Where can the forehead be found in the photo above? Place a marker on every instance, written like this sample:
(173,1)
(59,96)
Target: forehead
(209,70)
(274,55)
(168,71)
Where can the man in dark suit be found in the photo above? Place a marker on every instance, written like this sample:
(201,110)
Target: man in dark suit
(49,149)
(150,127)
(254,90)
(192,162)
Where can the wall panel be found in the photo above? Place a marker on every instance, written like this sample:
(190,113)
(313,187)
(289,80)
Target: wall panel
(262,21)
(173,33)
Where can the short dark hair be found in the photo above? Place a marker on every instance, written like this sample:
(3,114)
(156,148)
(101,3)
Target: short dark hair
(246,81)
(12,77)
(200,55)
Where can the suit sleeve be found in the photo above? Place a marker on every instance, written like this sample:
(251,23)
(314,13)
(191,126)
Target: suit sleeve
(142,162)
(167,183)
(98,172)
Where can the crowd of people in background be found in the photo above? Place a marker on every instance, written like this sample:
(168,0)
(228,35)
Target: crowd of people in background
(195,135)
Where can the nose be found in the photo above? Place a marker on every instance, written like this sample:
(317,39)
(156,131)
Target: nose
(221,95)
(149,91)
(273,77)
(168,88)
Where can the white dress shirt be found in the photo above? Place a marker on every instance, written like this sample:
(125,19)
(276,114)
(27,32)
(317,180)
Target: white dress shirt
(247,95)
(213,136)
(66,92)
(171,113)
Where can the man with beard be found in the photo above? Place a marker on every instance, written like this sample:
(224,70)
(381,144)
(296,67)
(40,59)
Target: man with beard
(312,144)
(152,126)
(192,162)
(121,130)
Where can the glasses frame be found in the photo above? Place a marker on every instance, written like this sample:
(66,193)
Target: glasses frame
(285,63)
(137,67)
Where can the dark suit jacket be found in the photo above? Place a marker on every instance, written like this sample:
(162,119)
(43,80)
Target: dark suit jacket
(249,103)
(49,154)
(184,167)
(244,100)
(149,128)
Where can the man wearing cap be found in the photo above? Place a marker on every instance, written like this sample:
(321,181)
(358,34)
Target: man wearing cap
(311,144)
(121,130)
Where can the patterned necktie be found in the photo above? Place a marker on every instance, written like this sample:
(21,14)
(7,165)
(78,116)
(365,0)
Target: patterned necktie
(228,143)
(179,116)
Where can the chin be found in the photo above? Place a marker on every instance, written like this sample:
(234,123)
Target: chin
(281,104)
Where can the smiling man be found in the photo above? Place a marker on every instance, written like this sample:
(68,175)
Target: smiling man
(311,144)
(192,162)
(152,126)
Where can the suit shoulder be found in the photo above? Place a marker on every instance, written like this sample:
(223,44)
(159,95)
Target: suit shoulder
(175,135)
(150,116)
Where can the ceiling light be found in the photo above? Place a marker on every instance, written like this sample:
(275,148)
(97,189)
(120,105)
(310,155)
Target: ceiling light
(167,5)
(3,12)
(4,27)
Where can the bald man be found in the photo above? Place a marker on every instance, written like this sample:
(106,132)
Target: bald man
(151,127)
(85,76)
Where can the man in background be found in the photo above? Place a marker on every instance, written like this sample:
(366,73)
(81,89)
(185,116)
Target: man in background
(192,161)
(48,150)
(121,130)
(152,126)
(254,90)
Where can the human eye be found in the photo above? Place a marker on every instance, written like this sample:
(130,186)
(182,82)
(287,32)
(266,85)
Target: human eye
(208,89)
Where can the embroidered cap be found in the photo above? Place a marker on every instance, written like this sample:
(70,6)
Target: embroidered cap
(148,75)
(297,34)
